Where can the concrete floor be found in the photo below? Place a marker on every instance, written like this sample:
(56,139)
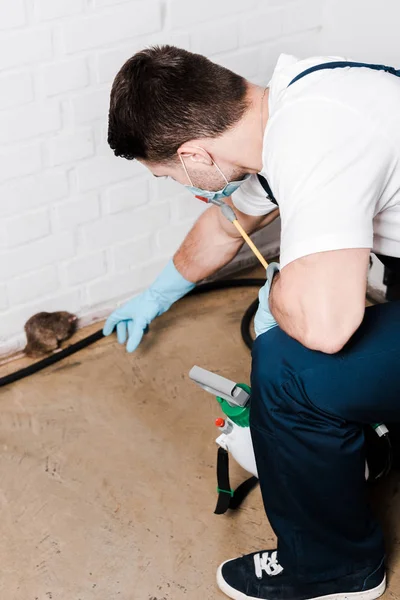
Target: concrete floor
(107,465)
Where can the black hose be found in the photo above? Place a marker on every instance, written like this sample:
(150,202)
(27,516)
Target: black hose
(245,324)
(389,458)
(98,335)
(50,360)
(200,289)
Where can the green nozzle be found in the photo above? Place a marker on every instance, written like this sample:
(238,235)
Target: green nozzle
(240,415)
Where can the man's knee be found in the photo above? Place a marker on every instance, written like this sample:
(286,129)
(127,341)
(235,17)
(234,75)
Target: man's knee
(289,378)
(276,357)
(272,364)
(267,363)
(278,362)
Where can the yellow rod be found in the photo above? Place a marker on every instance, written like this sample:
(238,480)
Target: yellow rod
(250,243)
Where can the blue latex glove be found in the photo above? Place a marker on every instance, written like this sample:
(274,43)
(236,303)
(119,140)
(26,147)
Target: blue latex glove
(132,318)
(264,321)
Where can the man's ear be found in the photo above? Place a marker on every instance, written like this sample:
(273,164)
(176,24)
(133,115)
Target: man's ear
(188,151)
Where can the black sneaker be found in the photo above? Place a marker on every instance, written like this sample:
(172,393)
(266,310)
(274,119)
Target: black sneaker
(259,576)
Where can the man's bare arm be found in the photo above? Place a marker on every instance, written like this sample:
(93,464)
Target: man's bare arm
(320,299)
(213,242)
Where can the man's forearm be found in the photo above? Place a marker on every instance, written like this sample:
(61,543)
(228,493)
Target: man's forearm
(206,248)
(213,242)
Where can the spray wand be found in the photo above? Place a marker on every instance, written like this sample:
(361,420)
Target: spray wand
(229,213)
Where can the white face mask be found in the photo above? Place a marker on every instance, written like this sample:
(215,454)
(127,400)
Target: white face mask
(208,195)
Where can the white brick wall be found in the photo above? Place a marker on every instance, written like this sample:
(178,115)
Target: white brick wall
(368,32)
(70,147)
(29,121)
(25,47)
(26,228)
(64,76)
(33,286)
(113,25)
(15,89)
(26,193)
(53,9)
(12,14)
(19,161)
(79,228)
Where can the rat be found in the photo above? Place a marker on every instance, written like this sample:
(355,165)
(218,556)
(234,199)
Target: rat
(44,333)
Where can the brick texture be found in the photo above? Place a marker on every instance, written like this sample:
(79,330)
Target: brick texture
(79,228)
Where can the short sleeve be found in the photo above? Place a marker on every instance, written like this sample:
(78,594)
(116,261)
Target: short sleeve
(251,198)
(328,167)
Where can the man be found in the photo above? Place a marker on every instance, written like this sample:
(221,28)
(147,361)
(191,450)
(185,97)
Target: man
(323,365)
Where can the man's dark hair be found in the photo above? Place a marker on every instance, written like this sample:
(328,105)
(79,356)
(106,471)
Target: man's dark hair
(165,96)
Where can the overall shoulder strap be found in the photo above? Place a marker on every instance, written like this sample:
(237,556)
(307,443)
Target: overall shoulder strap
(267,188)
(340,65)
(330,65)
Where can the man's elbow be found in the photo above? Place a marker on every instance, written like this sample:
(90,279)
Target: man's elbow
(332,336)
(326,342)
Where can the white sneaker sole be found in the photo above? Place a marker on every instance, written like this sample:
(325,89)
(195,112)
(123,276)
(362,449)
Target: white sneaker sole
(366,595)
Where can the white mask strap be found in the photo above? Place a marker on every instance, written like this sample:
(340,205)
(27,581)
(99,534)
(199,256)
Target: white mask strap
(213,162)
(185,169)
(215,165)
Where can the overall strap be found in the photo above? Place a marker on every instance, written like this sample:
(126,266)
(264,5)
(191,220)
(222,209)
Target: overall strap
(267,188)
(340,65)
(330,65)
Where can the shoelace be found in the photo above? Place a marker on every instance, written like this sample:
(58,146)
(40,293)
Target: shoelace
(268,562)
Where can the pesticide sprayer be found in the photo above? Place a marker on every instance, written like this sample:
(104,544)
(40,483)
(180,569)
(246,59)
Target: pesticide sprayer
(234,438)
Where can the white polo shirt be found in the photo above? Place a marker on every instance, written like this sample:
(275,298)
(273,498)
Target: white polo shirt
(331,157)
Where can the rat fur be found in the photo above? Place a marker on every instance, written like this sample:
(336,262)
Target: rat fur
(45,331)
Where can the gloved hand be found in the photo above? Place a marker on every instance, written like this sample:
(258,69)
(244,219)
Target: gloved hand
(133,317)
(264,321)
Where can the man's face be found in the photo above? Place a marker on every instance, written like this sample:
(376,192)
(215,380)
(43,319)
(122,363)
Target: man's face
(203,176)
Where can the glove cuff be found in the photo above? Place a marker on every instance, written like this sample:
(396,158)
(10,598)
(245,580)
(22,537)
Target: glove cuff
(273,269)
(170,285)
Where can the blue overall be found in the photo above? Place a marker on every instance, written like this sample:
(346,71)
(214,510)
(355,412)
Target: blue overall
(307,414)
